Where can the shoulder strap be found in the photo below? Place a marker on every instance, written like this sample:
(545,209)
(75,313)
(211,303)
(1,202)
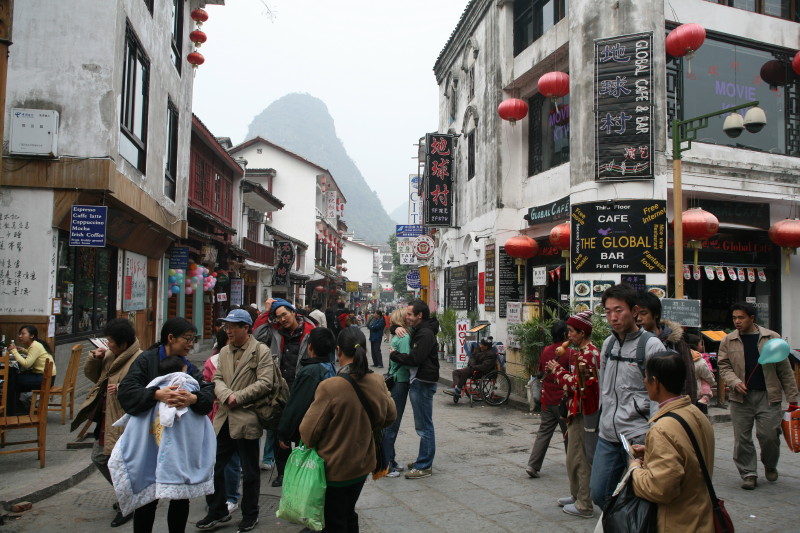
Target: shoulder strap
(699,455)
(610,347)
(361,397)
(640,350)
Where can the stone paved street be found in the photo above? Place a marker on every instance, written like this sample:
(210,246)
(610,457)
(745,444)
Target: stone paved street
(478,485)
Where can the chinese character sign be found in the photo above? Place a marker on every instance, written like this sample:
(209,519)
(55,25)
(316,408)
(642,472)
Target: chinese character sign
(135,289)
(623,100)
(438,191)
(280,276)
(330,205)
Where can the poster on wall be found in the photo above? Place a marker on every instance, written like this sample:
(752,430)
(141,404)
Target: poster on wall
(134,282)
(438,190)
(620,236)
(624,111)
(237,291)
(509,287)
(458,287)
(489,283)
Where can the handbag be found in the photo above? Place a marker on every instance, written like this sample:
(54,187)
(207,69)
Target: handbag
(389,380)
(269,407)
(304,486)
(722,520)
(381,460)
(790,426)
(625,512)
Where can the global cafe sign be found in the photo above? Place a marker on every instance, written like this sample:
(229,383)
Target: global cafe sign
(541,214)
(619,236)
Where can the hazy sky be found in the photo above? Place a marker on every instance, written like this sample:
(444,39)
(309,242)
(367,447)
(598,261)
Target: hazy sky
(370,61)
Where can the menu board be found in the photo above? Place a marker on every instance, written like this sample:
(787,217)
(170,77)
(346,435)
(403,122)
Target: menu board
(684,312)
(621,236)
(490,279)
(510,290)
(458,287)
(438,195)
(624,110)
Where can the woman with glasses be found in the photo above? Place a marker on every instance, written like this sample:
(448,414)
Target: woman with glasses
(177,339)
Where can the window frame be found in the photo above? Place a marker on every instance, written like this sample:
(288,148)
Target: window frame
(528,15)
(793,7)
(171,155)
(134,56)
(535,144)
(471,154)
(177,35)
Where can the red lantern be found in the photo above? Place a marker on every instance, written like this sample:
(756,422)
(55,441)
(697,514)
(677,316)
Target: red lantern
(196,59)
(198,37)
(685,39)
(521,247)
(559,236)
(774,73)
(319,288)
(554,85)
(199,16)
(698,225)
(796,63)
(512,110)
(786,234)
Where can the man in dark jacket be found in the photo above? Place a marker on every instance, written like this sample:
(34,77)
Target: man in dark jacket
(376,327)
(481,361)
(424,376)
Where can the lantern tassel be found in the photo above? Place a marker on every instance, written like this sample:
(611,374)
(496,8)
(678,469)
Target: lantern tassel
(787,252)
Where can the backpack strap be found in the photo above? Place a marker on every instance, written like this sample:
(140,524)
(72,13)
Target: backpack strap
(361,397)
(640,351)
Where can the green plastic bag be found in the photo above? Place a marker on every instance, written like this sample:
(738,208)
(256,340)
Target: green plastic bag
(303,492)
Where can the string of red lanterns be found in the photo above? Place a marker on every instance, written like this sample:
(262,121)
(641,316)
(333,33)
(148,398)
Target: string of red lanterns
(554,85)
(197,37)
(560,238)
(786,234)
(521,247)
(512,110)
(685,40)
(698,225)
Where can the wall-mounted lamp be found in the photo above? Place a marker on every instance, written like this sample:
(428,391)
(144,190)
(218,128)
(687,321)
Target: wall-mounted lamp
(479,237)
(452,261)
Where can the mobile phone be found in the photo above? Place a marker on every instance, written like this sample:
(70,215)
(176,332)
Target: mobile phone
(626,445)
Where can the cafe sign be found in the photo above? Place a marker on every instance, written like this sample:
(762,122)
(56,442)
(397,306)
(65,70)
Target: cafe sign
(552,212)
(619,236)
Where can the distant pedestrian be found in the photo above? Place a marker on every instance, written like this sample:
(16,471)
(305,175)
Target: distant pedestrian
(376,327)
(702,371)
(552,395)
(318,315)
(756,394)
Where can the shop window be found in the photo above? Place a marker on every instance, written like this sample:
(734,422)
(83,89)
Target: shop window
(727,73)
(135,81)
(532,18)
(86,284)
(171,159)
(198,189)
(471,155)
(252,228)
(218,193)
(785,9)
(548,134)
(176,15)
(471,83)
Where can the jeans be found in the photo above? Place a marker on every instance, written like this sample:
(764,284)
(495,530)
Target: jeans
(233,475)
(340,508)
(30,381)
(269,448)
(399,395)
(421,394)
(377,358)
(177,515)
(610,461)
(247,449)
(755,409)
(548,421)
(100,460)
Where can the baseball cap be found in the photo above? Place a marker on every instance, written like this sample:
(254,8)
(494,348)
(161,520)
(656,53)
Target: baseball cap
(239,315)
(486,342)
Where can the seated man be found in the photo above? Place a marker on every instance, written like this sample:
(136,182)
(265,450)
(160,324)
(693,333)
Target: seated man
(482,361)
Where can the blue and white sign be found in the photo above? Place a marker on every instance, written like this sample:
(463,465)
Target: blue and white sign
(87,226)
(179,257)
(412,279)
(409,230)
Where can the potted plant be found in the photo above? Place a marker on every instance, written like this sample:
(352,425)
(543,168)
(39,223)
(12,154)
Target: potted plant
(447,331)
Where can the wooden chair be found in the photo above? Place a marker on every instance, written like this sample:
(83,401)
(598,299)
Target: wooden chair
(36,419)
(4,361)
(68,387)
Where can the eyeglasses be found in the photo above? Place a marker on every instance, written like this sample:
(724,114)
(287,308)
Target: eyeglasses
(189,338)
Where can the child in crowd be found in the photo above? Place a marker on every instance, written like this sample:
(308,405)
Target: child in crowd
(702,370)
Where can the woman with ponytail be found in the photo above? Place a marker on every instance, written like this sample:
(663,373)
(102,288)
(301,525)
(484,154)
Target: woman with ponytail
(338,427)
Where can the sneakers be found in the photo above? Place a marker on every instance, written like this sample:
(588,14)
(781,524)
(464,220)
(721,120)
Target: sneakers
(771,474)
(399,468)
(267,466)
(749,483)
(415,473)
(393,473)
(411,466)
(247,524)
(569,500)
(209,522)
(532,472)
(278,481)
(452,392)
(570,509)
(232,506)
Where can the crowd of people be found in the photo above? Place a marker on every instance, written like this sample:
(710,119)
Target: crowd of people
(632,406)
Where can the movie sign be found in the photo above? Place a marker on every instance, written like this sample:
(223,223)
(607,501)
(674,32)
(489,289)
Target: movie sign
(624,108)
(627,236)
(439,171)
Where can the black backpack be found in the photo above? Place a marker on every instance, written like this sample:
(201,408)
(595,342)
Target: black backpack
(640,348)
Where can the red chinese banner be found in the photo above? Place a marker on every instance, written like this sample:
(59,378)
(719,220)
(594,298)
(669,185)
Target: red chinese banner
(481,288)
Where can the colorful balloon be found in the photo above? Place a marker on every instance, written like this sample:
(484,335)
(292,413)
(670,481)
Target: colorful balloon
(171,271)
(774,351)
(176,289)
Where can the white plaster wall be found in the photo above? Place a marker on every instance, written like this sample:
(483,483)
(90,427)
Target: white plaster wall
(360,260)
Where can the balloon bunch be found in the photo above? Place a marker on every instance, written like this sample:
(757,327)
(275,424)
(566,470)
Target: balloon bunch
(195,277)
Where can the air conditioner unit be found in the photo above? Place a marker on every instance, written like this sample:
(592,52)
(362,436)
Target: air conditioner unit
(34,132)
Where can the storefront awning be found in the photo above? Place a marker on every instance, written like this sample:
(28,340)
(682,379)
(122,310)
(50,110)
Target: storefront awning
(256,266)
(478,328)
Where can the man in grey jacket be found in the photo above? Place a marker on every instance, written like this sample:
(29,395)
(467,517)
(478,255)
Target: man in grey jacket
(624,401)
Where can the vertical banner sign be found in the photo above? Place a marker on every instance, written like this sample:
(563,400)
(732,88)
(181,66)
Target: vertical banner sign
(624,118)
(88,225)
(510,290)
(414,200)
(438,200)
(135,282)
(280,275)
(462,325)
(490,279)
(330,205)
(481,287)
(237,291)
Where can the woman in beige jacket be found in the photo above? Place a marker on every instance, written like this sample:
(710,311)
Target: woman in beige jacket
(338,427)
(106,368)
(670,473)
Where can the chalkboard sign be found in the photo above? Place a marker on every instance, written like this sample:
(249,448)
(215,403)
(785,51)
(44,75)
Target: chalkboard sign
(620,236)
(490,279)
(510,290)
(684,312)
(624,109)
(458,287)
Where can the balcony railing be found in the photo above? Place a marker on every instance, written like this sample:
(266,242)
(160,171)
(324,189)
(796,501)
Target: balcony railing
(260,253)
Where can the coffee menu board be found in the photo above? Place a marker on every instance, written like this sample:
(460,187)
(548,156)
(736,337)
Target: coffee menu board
(627,236)
(458,287)
(490,279)
(510,290)
(624,110)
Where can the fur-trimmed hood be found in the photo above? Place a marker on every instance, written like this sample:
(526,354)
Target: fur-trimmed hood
(670,331)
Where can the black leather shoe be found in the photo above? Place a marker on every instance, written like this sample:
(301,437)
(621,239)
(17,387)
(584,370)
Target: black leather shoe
(278,481)
(120,519)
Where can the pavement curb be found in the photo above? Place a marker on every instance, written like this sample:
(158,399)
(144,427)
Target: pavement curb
(51,490)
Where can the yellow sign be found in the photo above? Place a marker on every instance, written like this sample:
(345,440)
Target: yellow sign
(351,286)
